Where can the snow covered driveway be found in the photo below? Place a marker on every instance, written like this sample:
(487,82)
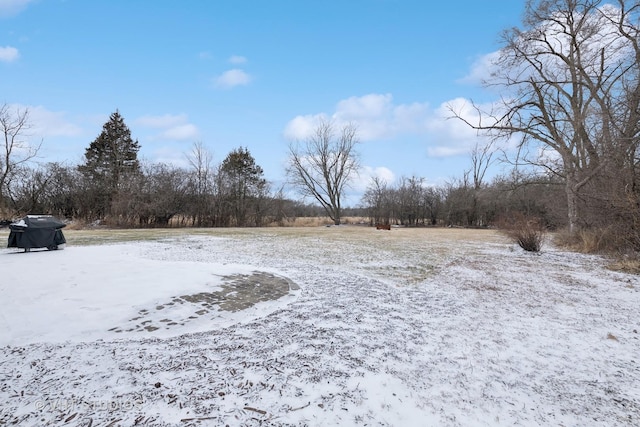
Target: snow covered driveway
(407,328)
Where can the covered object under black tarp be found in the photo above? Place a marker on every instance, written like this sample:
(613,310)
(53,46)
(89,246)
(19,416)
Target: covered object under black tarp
(36,231)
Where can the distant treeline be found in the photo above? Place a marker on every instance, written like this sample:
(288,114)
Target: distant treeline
(235,194)
(113,188)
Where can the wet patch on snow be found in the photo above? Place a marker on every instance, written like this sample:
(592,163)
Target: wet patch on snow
(237,292)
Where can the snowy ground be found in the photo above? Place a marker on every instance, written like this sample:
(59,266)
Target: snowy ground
(401,328)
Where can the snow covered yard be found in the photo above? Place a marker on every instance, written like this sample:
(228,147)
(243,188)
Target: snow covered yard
(412,327)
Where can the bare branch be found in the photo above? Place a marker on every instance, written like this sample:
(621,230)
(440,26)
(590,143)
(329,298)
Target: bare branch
(16,151)
(322,165)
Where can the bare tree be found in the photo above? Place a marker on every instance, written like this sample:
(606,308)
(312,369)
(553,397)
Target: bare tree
(481,159)
(571,90)
(14,123)
(322,165)
(202,181)
(376,198)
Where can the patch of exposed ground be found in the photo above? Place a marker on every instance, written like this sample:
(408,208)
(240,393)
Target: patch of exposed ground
(238,292)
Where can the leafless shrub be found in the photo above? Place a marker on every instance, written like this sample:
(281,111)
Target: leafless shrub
(528,233)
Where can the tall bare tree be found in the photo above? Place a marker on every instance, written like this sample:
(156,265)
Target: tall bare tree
(202,182)
(481,158)
(16,151)
(571,92)
(322,165)
(377,200)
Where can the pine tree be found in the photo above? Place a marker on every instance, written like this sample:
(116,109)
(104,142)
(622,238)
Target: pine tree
(110,160)
(242,184)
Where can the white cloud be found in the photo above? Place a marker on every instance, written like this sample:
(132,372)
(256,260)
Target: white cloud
(181,132)
(173,126)
(364,107)
(367,173)
(455,137)
(232,78)
(8,53)
(488,69)
(10,8)
(481,69)
(377,117)
(236,59)
(170,155)
(45,123)
(301,127)
(54,129)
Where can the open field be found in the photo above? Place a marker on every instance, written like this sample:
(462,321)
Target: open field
(408,327)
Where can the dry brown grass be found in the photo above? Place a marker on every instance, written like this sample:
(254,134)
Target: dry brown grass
(400,237)
(601,241)
(319,221)
(584,241)
(625,265)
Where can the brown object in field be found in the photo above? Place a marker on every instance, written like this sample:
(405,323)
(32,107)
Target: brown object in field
(383,227)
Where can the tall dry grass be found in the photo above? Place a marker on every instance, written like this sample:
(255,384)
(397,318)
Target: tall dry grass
(604,241)
(319,221)
(590,241)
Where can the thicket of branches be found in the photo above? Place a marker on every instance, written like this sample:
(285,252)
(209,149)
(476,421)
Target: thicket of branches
(113,187)
(159,195)
(410,202)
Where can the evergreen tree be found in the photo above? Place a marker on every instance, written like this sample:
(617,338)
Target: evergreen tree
(242,185)
(109,160)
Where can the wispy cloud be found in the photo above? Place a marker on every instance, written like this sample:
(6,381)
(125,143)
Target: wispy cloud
(46,123)
(236,59)
(55,130)
(10,8)
(169,126)
(183,132)
(8,53)
(368,173)
(481,69)
(232,78)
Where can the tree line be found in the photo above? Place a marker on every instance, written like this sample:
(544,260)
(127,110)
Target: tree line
(113,187)
(567,118)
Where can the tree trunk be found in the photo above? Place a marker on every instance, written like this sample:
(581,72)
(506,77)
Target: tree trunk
(572,204)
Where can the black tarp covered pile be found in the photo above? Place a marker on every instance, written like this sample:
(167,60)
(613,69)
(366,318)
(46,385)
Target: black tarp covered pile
(36,231)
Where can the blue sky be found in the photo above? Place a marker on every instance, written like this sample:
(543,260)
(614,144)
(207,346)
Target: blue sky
(253,73)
